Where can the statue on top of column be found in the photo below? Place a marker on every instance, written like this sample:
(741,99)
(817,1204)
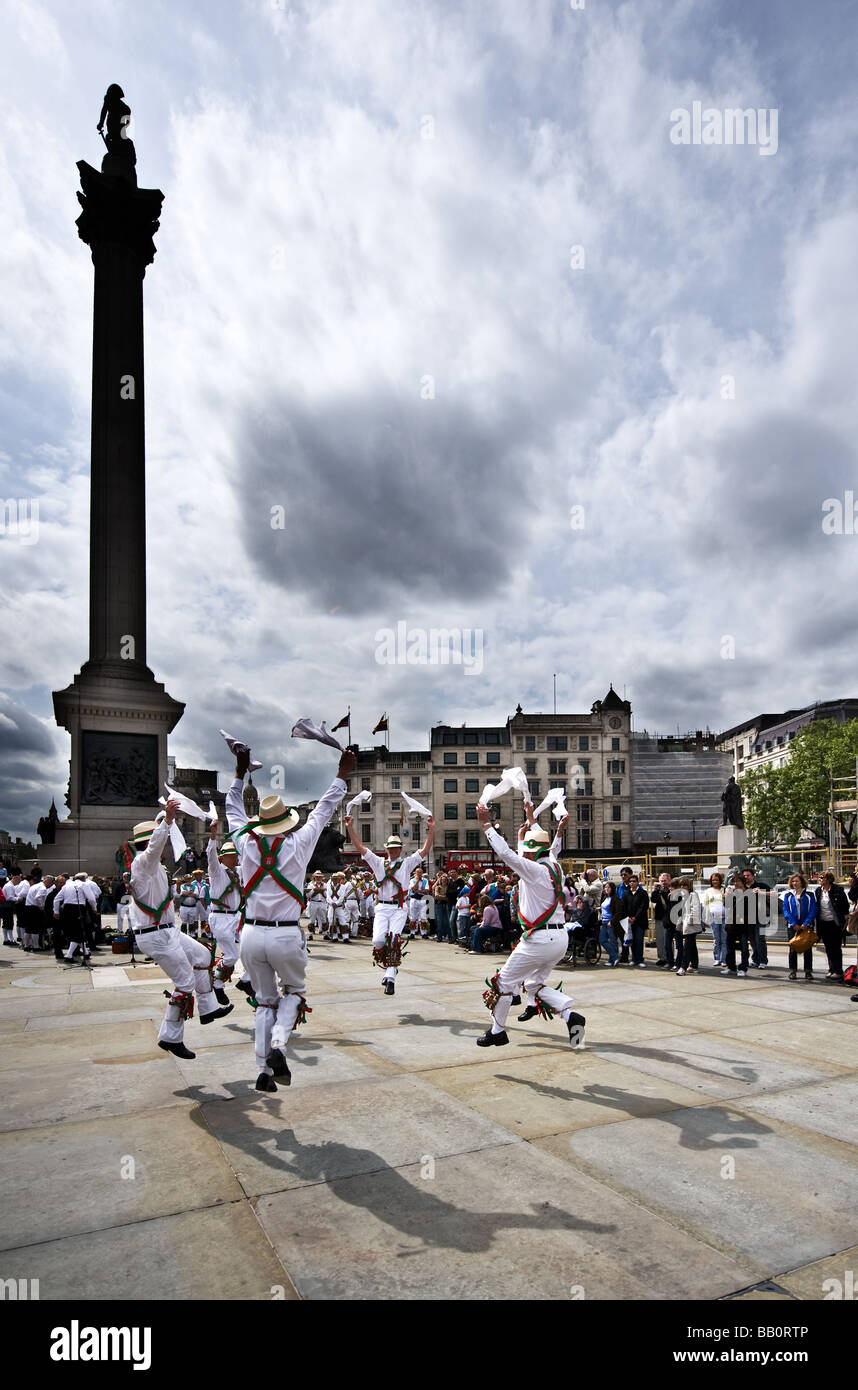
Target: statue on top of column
(121,156)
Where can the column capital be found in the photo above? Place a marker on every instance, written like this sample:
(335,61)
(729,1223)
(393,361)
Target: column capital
(115,210)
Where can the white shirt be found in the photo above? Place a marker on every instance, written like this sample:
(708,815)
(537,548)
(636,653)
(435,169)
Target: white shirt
(826,911)
(37,892)
(73,894)
(535,889)
(12,892)
(401,869)
(219,882)
(269,901)
(149,881)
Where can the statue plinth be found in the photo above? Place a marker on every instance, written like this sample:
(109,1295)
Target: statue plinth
(732,839)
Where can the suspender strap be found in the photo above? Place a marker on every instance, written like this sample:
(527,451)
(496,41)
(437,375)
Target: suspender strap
(234,882)
(268,868)
(559,900)
(390,877)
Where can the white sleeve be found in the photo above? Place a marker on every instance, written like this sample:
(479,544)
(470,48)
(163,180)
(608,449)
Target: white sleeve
(236,816)
(307,836)
(525,868)
(375,862)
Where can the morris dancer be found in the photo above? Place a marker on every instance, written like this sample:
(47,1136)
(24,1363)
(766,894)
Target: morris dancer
(339,907)
(274,858)
(541,912)
(353,901)
(317,902)
(224,909)
(182,958)
(418,902)
(392,877)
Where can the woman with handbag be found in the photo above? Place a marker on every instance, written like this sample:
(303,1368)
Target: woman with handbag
(800,909)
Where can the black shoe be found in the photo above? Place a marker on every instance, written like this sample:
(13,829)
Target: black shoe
(277,1062)
(516,999)
(529,1013)
(218,1013)
(221,996)
(575,1024)
(490,1039)
(245,986)
(387,986)
(178,1050)
(264,1082)
(854,998)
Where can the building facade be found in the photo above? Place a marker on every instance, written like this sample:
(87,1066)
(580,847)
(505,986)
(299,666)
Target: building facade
(764,741)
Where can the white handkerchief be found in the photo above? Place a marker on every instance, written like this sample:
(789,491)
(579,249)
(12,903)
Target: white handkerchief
(186,805)
(305,728)
(556,799)
(212,811)
(512,779)
(236,746)
(178,843)
(357,800)
(416,806)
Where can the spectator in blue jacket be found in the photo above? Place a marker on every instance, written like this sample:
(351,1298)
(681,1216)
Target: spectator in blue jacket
(800,909)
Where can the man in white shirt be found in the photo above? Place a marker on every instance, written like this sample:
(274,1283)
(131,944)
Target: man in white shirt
(543,943)
(79,898)
(418,901)
(339,907)
(274,853)
(15,891)
(224,908)
(34,920)
(393,878)
(316,892)
(353,901)
(183,959)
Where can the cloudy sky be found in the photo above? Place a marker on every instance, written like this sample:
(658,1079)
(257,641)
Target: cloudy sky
(431,274)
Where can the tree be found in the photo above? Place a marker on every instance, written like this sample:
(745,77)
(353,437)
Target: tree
(781,802)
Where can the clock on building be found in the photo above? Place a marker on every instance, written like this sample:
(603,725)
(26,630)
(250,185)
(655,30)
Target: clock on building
(615,722)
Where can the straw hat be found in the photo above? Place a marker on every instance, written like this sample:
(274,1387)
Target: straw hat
(275,817)
(393,842)
(142,833)
(227,848)
(536,840)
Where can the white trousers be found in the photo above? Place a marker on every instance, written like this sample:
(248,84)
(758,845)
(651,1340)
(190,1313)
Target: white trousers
(388,920)
(268,953)
(317,913)
(418,910)
(530,965)
(186,962)
(223,927)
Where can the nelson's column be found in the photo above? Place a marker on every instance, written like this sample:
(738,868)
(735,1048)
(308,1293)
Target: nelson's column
(118,715)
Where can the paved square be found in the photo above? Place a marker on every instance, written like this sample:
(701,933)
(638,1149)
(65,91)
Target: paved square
(403,1162)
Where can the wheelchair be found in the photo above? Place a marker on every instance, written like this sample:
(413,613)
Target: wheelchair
(584,944)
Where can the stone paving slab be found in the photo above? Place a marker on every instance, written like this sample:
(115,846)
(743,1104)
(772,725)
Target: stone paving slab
(819,1039)
(553,1093)
(99,1042)
(226,1073)
(799,1000)
(174,1164)
(677,1171)
(830,1107)
(296,1138)
(512,1223)
(708,1015)
(40,1095)
(170,1257)
(809,1281)
(719,1066)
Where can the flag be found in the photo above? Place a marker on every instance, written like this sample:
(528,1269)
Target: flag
(343,724)
(381,726)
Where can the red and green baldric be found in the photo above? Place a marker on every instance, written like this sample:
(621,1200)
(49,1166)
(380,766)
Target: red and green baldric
(390,877)
(156,913)
(559,901)
(268,869)
(234,882)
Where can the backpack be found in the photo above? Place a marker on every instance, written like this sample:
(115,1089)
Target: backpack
(850,976)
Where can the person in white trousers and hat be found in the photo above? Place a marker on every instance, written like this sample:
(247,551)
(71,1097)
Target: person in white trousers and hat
(224,908)
(274,853)
(543,943)
(393,879)
(183,959)
(316,893)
